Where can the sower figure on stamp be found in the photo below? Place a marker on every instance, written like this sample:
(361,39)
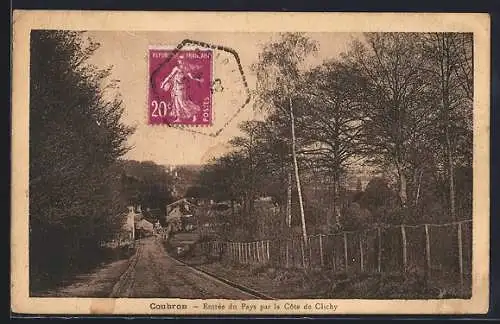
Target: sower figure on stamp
(178,82)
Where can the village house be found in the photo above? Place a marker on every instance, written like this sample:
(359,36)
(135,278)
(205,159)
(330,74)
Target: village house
(126,233)
(144,228)
(180,215)
(143,221)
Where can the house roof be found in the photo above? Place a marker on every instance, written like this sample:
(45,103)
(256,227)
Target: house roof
(144,224)
(174,213)
(181,202)
(153,215)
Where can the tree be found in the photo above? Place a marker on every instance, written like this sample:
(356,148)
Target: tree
(396,109)
(224,178)
(279,81)
(149,184)
(332,124)
(448,70)
(76,136)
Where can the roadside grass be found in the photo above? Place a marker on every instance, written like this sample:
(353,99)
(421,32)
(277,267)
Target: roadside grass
(293,283)
(323,283)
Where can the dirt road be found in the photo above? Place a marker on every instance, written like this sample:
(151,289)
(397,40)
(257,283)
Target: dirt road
(151,273)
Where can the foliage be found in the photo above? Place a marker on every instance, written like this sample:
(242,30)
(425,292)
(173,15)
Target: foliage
(147,184)
(76,136)
(397,102)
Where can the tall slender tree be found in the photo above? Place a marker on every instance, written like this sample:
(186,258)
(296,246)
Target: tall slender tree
(279,81)
(447,66)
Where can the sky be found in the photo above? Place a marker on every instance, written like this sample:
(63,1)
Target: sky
(127,53)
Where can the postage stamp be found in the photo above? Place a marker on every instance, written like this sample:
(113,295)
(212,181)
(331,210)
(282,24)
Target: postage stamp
(250,163)
(181,86)
(191,100)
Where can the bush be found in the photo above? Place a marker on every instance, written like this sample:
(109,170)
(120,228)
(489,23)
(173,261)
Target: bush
(355,217)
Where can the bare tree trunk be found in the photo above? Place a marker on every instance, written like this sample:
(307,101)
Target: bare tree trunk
(403,195)
(288,216)
(289,200)
(417,195)
(336,200)
(297,178)
(445,92)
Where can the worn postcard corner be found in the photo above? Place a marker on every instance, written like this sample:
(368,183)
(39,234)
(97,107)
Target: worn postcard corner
(189,163)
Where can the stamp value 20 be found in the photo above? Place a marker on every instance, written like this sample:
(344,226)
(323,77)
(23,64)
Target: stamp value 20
(180,91)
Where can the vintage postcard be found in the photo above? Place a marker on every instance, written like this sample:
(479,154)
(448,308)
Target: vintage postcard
(186,163)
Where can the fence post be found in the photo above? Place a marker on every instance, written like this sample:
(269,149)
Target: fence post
(309,263)
(243,253)
(361,256)
(460,257)
(257,248)
(236,251)
(403,236)
(379,256)
(263,251)
(345,251)
(247,249)
(302,253)
(287,256)
(321,249)
(240,257)
(334,260)
(428,250)
(258,251)
(268,255)
(251,251)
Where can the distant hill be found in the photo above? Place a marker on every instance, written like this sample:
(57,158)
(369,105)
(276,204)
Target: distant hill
(185,176)
(189,167)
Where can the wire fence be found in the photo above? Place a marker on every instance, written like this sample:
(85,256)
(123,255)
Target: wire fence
(438,250)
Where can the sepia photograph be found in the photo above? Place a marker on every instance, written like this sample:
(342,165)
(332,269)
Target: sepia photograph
(227,167)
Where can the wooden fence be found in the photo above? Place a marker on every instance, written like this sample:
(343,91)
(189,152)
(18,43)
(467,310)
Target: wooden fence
(437,249)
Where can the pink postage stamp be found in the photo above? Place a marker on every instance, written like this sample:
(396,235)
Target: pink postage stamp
(180,91)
